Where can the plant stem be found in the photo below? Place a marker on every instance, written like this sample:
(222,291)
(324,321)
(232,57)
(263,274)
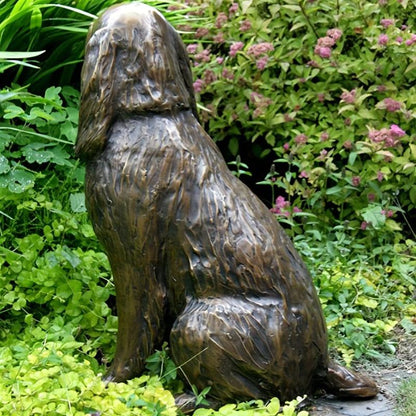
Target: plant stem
(302,8)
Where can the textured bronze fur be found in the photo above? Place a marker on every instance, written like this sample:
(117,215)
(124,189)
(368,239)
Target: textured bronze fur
(196,256)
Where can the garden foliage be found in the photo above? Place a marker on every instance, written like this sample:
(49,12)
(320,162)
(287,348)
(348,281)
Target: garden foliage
(319,96)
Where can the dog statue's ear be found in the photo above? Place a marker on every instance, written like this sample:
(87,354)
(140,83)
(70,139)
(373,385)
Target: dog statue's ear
(96,111)
(135,63)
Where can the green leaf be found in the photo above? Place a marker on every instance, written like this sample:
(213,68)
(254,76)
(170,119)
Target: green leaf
(204,412)
(63,291)
(84,31)
(17,181)
(4,164)
(69,130)
(293,7)
(273,406)
(367,114)
(352,157)
(367,302)
(245,5)
(334,190)
(37,153)
(52,93)
(77,202)
(393,225)
(19,55)
(233,146)
(36,19)
(74,261)
(412,194)
(373,215)
(348,107)
(12,111)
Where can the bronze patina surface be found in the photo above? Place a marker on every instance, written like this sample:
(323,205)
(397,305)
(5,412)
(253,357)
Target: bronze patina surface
(197,258)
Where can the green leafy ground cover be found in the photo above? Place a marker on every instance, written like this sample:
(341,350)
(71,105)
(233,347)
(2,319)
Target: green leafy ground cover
(335,129)
(407,398)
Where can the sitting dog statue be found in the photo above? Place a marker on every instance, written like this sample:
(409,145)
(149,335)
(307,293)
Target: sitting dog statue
(197,258)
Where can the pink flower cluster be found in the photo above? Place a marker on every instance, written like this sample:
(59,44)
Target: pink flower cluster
(262,62)
(412,40)
(201,32)
(192,48)
(219,38)
(235,47)
(209,77)
(380,176)
(301,138)
(259,51)
(383,39)
(348,144)
(323,154)
(203,56)
(259,99)
(386,22)
(348,96)
(198,85)
(245,26)
(227,74)
(388,137)
(324,136)
(282,207)
(221,20)
(355,180)
(324,44)
(233,9)
(391,105)
(389,213)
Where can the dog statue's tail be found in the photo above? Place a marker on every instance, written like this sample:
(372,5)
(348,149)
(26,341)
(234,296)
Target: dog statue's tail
(346,383)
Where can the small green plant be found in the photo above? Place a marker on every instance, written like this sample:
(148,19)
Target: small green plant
(49,372)
(161,365)
(240,167)
(155,408)
(406,398)
(256,407)
(201,397)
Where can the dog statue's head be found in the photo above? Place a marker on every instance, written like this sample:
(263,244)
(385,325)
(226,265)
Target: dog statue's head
(135,63)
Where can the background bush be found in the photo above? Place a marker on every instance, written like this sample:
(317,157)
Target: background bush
(268,86)
(313,105)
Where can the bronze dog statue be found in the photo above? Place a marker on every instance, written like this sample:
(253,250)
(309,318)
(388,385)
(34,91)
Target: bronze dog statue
(196,256)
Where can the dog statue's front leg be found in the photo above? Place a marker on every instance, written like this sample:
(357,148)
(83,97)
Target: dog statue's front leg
(128,229)
(140,302)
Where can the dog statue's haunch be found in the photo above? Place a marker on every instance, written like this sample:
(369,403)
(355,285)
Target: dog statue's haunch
(197,258)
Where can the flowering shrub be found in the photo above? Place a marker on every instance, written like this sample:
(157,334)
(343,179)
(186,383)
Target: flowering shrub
(323,90)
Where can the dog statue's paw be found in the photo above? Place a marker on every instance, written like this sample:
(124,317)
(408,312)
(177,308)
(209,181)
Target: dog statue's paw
(122,370)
